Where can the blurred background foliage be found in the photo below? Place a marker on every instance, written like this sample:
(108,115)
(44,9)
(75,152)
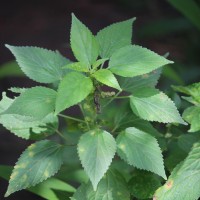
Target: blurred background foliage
(167,26)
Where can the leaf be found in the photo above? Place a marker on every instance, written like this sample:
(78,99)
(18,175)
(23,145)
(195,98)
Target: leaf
(99,62)
(83,43)
(44,189)
(36,102)
(111,187)
(103,147)
(41,65)
(140,150)
(106,77)
(134,60)
(10,69)
(77,66)
(143,184)
(25,127)
(74,88)
(114,37)
(139,82)
(153,105)
(37,163)
(184,182)
(192,116)
(193,14)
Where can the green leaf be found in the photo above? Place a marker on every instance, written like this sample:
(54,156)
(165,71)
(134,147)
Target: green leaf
(23,126)
(74,88)
(41,65)
(106,77)
(10,69)
(36,102)
(99,62)
(140,150)
(139,82)
(184,182)
(152,105)
(37,163)
(77,66)
(193,14)
(114,37)
(83,43)
(111,187)
(134,60)
(44,189)
(96,150)
(143,184)
(192,116)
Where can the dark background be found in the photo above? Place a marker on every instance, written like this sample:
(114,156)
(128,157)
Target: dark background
(44,23)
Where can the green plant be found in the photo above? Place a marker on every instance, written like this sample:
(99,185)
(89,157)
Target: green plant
(115,140)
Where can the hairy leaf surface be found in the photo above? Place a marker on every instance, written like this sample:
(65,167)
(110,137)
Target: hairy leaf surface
(83,43)
(36,102)
(184,182)
(114,37)
(152,105)
(140,150)
(74,88)
(96,150)
(37,163)
(41,65)
(134,60)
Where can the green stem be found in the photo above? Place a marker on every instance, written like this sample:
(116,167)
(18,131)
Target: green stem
(60,134)
(122,97)
(72,118)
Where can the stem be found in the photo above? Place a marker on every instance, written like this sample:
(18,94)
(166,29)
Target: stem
(60,134)
(112,98)
(72,118)
(122,97)
(84,116)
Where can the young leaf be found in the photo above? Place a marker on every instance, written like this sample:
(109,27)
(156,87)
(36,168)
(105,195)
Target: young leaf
(74,88)
(96,150)
(111,187)
(77,66)
(155,106)
(83,43)
(184,182)
(192,116)
(134,60)
(106,77)
(139,82)
(37,163)
(114,37)
(143,184)
(140,150)
(36,102)
(41,65)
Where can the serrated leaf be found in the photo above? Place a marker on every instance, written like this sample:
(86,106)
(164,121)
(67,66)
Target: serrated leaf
(24,126)
(37,163)
(184,182)
(106,77)
(152,105)
(41,65)
(77,66)
(143,184)
(114,37)
(83,43)
(139,82)
(103,147)
(134,60)
(111,187)
(44,189)
(74,88)
(36,102)
(192,116)
(140,150)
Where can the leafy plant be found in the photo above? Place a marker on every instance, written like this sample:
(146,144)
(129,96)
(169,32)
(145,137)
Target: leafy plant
(114,140)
